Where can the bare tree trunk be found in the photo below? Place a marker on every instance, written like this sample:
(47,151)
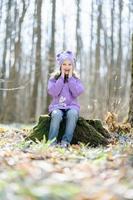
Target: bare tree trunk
(79,45)
(105,78)
(1,5)
(117,78)
(32,60)
(19,33)
(130,114)
(11,98)
(10,102)
(18,64)
(127,68)
(51,53)
(3,70)
(97,58)
(111,65)
(64,28)
(9,114)
(91,38)
(96,78)
(37,63)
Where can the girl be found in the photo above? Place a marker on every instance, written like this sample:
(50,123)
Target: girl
(64,87)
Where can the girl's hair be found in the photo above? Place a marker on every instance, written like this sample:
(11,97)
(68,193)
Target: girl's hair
(56,74)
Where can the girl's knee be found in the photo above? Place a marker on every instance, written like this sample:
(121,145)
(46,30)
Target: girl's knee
(56,114)
(73,113)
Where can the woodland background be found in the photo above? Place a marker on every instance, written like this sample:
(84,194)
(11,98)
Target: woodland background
(100,33)
(32,32)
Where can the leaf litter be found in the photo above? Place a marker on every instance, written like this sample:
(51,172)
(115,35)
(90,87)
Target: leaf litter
(36,171)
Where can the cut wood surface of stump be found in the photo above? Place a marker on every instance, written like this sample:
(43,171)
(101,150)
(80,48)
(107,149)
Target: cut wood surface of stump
(89,132)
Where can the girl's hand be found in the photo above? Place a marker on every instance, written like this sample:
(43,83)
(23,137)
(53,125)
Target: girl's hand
(70,73)
(62,73)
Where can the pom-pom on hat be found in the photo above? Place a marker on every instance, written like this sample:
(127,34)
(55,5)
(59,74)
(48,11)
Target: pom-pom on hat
(65,55)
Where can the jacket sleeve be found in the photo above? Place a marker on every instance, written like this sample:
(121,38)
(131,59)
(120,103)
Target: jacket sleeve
(55,86)
(75,86)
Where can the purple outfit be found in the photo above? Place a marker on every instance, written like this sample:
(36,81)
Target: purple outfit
(64,94)
(64,102)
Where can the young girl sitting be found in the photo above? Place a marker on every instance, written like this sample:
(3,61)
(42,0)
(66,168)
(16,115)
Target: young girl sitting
(64,87)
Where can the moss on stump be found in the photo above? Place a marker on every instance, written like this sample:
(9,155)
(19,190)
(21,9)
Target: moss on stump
(89,132)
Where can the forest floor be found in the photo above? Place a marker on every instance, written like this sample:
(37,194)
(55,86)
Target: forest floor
(40,172)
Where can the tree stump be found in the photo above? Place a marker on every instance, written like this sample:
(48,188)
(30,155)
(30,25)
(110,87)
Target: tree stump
(89,132)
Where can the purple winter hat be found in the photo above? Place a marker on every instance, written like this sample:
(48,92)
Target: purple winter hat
(65,55)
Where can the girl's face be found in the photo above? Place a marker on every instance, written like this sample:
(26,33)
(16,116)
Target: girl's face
(66,66)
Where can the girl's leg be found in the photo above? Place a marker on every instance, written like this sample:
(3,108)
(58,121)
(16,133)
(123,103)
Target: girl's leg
(56,117)
(71,121)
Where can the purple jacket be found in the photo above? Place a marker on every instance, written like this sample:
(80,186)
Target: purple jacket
(64,94)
